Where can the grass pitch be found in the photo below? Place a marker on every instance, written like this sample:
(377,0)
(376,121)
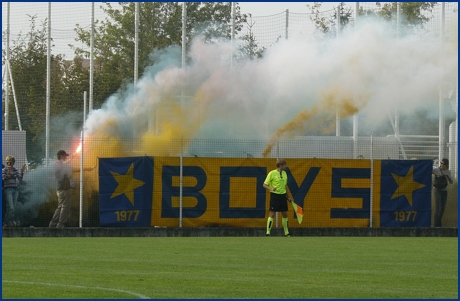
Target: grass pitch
(230,267)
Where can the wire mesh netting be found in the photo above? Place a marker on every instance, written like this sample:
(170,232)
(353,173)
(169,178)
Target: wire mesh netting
(204,161)
(151,130)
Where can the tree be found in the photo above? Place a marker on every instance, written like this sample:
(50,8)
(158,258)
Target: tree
(327,25)
(250,48)
(411,12)
(212,20)
(412,15)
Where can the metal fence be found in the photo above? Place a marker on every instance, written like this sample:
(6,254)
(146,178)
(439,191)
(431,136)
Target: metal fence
(38,200)
(268,30)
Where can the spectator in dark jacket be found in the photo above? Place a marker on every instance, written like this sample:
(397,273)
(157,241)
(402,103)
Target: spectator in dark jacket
(440,193)
(64,182)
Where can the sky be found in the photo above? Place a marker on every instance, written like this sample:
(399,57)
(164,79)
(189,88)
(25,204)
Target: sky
(271,8)
(64,16)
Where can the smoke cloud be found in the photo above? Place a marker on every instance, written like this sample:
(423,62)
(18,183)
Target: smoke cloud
(297,88)
(368,71)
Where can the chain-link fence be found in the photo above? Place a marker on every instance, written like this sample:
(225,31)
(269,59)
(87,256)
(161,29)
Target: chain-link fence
(267,29)
(37,199)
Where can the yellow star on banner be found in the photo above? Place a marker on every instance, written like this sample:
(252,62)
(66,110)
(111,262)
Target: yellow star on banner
(406,185)
(126,184)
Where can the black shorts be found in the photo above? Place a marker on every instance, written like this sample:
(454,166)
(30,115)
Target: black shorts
(278,202)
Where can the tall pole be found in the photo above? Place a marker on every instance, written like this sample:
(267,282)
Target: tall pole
(455,138)
(441,96)
(398,19)
(91,60)
(48,88)
(184,21)
(136,42)
(233,32)
(337,115)
(81,160)
(286,34)
(184,50)
(355,116)
(7,95)
(136,59)
(398,29)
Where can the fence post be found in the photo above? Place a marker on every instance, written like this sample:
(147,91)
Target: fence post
(232,33)
(48,88)
(371,190)
(181,179)
(80,219)
(7,85)
(286,34)
(337,115)
(91,61)
(355,116)
(441,96)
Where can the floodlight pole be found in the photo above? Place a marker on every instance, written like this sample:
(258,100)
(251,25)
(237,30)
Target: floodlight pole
(81,161)
(136,42)
(441,96)
(232,33)
(355,116)
(184,50)
(7,95)
(398,29)
(287,24)
(48,88)
(91,61)
(184,28)
(337,114)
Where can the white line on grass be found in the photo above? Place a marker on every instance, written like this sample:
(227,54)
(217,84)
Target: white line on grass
(80,286)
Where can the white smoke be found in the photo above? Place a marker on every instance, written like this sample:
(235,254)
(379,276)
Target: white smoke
(252,98)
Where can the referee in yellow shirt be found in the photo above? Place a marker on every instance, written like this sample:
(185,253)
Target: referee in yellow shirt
(276,183)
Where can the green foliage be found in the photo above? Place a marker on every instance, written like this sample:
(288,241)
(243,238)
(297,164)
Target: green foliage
(249,49)
(230,267)
(212,20)
(411,13)
(328,26)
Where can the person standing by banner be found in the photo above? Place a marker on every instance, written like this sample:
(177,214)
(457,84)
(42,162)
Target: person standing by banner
(276,182)
(442,176)
(11,177)
(64,182)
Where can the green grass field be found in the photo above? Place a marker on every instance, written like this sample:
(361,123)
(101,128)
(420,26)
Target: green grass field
(230,267)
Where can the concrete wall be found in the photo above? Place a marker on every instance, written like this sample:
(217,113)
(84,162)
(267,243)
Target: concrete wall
(224,231)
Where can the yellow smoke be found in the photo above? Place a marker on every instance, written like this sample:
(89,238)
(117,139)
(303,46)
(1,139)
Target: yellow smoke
(167,131)
(337,99)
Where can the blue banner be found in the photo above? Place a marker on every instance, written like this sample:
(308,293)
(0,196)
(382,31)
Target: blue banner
(125,191)
(405,193)
(146,192)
